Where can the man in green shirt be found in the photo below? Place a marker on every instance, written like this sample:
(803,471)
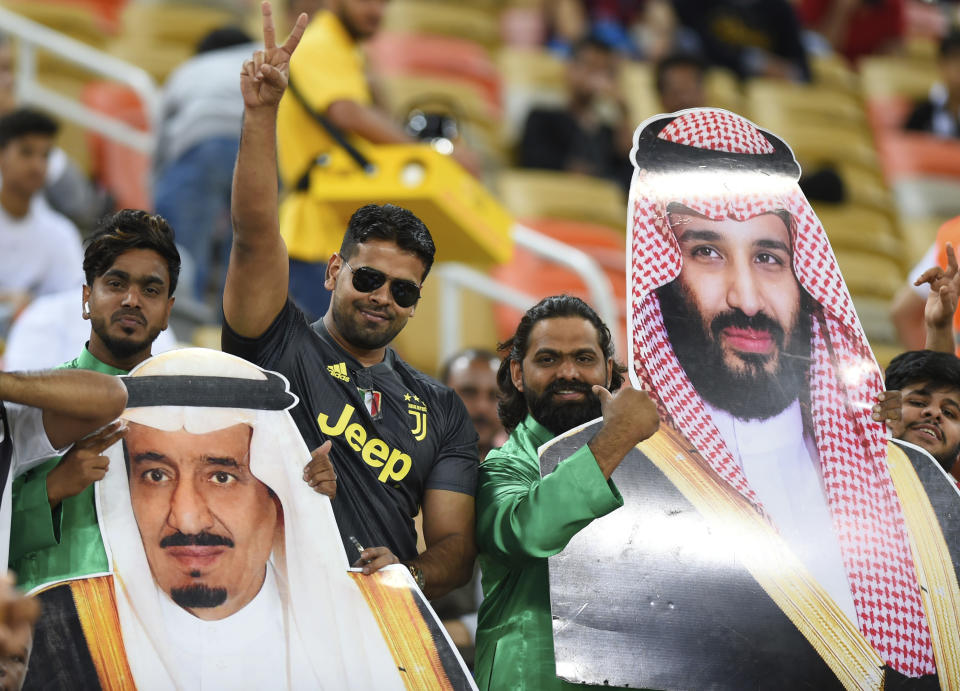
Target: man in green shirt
(131,266)
(558,374)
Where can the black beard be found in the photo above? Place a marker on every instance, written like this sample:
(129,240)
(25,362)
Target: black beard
(753,394)
(357,336)
(198,595)
(559,417)
(122,348)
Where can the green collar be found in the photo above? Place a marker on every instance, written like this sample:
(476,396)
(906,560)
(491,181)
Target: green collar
(88,361)
(537,432)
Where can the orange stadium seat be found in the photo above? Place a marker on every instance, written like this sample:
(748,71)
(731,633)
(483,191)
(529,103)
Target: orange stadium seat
(123,171)
(538,277)
(908,154)
(440,56)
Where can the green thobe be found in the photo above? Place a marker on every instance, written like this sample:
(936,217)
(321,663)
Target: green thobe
(49,545)
(521,520)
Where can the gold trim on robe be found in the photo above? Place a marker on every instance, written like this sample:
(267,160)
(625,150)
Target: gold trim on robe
(97,609)
(769,560)
(393,605)
(938,580)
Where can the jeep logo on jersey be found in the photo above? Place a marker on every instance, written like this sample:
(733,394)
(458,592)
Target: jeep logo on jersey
(374,451)
(418,410)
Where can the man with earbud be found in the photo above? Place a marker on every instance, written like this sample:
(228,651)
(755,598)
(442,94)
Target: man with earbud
(131,267)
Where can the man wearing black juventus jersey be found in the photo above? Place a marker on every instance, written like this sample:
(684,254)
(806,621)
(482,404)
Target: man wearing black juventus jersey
(397,439)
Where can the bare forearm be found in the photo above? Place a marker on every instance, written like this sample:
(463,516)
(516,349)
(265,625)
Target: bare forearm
(254,199)
(74,402)
(940,338)
(610,447)
(366,122)
(79,394)
(447,564)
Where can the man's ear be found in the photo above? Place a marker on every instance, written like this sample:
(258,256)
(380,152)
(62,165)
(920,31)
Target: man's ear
(84,302)
(610,369)
(333,269)
(516,374)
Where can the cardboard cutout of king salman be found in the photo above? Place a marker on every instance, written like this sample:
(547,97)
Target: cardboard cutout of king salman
(227,569)
(771,536)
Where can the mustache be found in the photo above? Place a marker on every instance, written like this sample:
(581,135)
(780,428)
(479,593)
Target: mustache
(739,320)
(121,313)
(568,385)
(196,540)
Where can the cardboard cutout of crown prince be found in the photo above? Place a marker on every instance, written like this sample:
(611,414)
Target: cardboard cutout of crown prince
(227,569)
(771,536)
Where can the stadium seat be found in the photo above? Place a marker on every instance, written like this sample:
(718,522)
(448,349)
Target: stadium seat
(853,228)
(481,24)
(448,57)
(530,77)
(121,170)
(883,76)
(540,278)
(551,194)
(909,154)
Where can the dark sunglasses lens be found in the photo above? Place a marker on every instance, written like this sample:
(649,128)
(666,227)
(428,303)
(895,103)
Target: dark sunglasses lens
(367,280)
(405,293)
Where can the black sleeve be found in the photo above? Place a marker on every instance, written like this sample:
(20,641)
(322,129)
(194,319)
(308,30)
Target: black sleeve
(921,118)
(267,349)
(455,468)
(540,147)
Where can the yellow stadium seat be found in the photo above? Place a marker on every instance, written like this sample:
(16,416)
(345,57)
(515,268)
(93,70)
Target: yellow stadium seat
(778,102)
(550,194)
(869,273)
(834,72)
(884,76)
(530,77)
(853,228)
(723,90)
(874,315)
(447,19)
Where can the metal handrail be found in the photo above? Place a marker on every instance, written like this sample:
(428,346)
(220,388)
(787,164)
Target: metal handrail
(454,276)
(33,37)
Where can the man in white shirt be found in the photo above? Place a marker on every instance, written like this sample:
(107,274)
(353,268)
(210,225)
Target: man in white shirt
(40,250)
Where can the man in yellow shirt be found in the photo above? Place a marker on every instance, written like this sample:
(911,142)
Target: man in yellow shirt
(328,75)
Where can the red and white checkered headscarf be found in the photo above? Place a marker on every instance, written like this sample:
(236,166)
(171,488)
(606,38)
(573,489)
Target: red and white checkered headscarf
(722,166)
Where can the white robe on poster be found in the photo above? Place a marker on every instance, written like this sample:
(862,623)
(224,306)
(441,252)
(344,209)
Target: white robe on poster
(782,466)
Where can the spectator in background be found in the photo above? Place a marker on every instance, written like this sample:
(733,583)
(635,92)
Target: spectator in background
(855,28)
(40,251)
(327,80)
(68,190)
(922,317)
(679,81)
(928,388)
(641,29)
(754,38)
(132,266)
(939,114)
(472,374)
(198,140)
(576,138)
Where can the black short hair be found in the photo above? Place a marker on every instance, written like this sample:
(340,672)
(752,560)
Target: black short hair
(676,60)
(512,408)
(224,37)
(389,222)
(130,229)
(949,44)
(471,354)
(25,121)
(914,366)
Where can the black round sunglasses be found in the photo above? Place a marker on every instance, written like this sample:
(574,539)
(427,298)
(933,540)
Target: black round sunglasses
(367,279)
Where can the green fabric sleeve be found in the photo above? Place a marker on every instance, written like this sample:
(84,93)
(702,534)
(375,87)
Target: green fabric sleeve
(33,525)
(521,516)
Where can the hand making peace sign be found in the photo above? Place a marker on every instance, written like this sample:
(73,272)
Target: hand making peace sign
(263,79)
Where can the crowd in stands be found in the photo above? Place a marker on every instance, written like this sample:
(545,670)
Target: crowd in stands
(87,286)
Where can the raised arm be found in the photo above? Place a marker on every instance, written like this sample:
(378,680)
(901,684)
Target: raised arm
(256,286)
(74,402)
(941,303)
